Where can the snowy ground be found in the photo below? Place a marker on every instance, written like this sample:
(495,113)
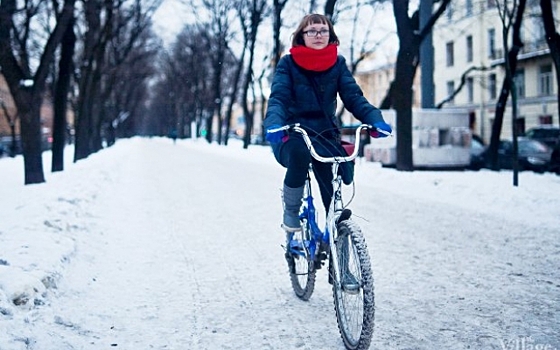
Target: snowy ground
(151,245)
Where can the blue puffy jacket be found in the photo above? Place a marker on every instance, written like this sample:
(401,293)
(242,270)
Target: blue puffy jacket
(293,99)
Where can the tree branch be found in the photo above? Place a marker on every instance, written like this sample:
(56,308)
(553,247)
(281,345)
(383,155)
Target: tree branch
(460,87)
(428,27)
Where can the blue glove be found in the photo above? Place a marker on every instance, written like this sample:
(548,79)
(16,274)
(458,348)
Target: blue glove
(381,126)
(275,137)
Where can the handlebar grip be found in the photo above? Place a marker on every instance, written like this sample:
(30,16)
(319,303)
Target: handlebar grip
(282,128)
(383,132)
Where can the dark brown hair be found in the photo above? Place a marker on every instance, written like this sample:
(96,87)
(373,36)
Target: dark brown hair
(297,37)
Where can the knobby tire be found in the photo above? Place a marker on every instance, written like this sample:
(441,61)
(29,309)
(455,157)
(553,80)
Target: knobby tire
(302,272)
(355,314)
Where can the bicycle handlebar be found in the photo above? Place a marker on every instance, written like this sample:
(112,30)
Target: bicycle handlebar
(336,159)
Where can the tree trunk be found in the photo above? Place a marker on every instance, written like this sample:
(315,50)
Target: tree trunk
(85,84)
(553,40)
(511,60)
(27,91)
(401,88)
(30,122)
(402,102)
(329,10)
(410,37)
(217,85)
(233,97)
(66,67)
(278,7)
(255,14)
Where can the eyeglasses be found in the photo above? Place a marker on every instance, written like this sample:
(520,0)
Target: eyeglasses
(313,33)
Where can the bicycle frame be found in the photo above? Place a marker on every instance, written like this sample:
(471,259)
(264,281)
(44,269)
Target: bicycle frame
(336,207)
(343,243)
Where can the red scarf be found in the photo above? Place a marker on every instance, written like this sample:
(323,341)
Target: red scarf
(315,60)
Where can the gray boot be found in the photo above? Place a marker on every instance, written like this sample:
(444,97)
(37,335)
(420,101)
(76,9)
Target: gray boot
(292,204)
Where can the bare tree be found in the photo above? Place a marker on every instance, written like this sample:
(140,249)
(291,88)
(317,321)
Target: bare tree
(128,89)
(193,64)
(400,94)
(114,28)
(186,90)
(219,27)
(251,14)
(129,61)
(360,48)
(462,82)
(312,6)
(511,17)
(262,98)
(28,88)
(553,40)
(98,20)
(61,91)
(329,10)
(277,8)
(233,95)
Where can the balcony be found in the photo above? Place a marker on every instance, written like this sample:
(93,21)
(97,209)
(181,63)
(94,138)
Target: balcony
(532,49)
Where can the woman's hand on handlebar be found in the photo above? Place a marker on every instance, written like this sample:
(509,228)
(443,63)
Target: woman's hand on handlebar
(380,129)
(275,133)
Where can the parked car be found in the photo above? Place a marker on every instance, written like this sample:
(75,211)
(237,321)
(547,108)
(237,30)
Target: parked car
(9,149)
(532,155)
(548,135)
(477,154)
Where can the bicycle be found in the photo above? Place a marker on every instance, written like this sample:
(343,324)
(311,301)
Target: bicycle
(349,269)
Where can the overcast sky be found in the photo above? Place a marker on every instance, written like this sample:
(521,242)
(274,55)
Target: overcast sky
(379,25)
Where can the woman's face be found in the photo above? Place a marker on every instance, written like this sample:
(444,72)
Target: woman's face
(316,36)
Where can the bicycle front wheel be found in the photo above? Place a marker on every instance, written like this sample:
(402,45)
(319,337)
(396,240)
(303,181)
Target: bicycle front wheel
(353,292)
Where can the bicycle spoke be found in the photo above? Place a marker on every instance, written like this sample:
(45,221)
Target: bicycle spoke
(354,306)
(303,273)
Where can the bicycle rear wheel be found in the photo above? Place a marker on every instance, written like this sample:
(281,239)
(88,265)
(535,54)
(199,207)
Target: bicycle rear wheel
(298,255)
(355,307)
(302,266)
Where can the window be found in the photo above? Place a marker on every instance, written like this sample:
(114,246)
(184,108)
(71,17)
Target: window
(490,4)
(449,52)
(545,80)
(450,90)
(449,12)
(539,33)
(492,86)
(520,126)
(520,82)
(470,89)
(469,7)
(545,120)
(469,48)
(492,43)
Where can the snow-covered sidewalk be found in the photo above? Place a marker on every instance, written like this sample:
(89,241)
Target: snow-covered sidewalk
(151,245)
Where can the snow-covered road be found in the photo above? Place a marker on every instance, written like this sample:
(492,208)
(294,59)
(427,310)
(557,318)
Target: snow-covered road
(178,247)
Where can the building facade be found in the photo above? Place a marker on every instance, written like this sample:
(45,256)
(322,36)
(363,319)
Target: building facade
(8,115)
(469,58)
(7,109)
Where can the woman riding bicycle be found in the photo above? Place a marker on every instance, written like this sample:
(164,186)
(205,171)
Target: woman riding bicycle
(304,90)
